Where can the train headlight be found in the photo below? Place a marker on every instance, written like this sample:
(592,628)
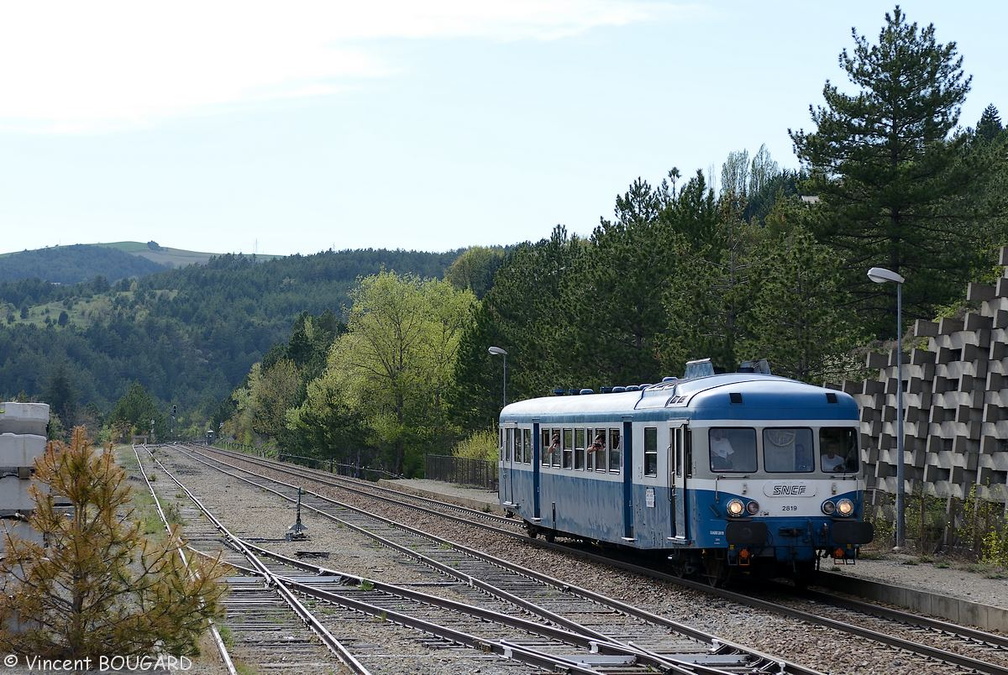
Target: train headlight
(752,507)
(845,507)
(828,508)
(735,508)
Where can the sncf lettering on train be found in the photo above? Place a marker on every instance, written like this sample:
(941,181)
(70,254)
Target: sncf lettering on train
(789,489)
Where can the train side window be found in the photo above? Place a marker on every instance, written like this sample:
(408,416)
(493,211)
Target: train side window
(732,449)
(597,450)
(501,443)
(526,446)
(650,451)
(509,445)
(568,448)
(579,449)
(615,454)
(550,445)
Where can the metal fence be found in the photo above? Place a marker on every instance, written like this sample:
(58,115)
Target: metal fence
(461,471)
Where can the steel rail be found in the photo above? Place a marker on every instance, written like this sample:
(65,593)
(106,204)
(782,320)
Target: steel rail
(721,646)
(596,643)
(327,638)
(222,649)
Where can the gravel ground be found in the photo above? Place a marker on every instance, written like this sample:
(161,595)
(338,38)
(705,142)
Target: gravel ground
(251,510)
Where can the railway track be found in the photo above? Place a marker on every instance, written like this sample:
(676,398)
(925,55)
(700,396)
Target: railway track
(909,633)
(561,626)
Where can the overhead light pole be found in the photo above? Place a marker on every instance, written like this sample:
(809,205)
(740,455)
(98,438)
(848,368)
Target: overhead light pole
(498,351)
(881,275)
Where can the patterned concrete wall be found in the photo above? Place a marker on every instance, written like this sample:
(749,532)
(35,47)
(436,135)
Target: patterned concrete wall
(955,428)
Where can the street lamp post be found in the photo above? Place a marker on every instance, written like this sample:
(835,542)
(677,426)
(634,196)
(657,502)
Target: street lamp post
(498,351)
(880,275)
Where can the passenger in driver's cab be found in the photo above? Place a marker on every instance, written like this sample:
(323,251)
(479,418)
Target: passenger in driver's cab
(831,460)
(721,450)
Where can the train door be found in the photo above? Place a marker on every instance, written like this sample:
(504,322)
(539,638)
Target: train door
(677,463)
(512,439)
(628,532)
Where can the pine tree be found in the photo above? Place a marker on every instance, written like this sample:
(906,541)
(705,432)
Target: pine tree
(886,164)
(98,586)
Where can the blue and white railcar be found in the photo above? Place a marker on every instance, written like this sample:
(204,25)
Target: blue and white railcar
(718,472)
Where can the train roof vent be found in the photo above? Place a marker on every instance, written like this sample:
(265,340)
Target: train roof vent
(831,397)
(587,391)
(618,389)
(699,368)
(735,397)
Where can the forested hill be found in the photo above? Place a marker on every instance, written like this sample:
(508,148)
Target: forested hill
(188,335)
(76,263)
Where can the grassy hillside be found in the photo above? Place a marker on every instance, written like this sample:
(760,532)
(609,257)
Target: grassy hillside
(78,263)
(171,257)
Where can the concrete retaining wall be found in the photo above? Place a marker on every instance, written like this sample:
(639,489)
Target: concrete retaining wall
(955,396)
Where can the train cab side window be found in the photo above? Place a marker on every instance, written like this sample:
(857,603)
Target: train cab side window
(509,445)
(615,450)
(650,451)
(732,449)
(838,450)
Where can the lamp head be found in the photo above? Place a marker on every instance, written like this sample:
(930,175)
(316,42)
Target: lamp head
(881,275)
(497,351)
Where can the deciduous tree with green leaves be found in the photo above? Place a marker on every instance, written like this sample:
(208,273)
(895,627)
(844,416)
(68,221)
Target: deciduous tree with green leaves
(394,364)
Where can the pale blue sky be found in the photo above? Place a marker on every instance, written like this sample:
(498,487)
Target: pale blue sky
(301,126)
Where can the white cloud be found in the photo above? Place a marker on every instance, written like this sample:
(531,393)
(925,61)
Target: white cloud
(76,66)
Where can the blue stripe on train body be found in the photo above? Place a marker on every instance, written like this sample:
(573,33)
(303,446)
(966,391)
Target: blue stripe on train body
(639,500)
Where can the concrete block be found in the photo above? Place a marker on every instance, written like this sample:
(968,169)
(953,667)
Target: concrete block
(975,321)
(922,328)
(14,495)
(876,360)
(19,528)
(20,449)
(949,325)
(24,418)
(980,292)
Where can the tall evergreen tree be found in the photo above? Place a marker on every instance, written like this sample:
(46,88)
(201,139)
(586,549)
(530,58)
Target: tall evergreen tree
(989,127)
(884,162)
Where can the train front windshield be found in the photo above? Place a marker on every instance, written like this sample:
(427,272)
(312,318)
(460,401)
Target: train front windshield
(784,450)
